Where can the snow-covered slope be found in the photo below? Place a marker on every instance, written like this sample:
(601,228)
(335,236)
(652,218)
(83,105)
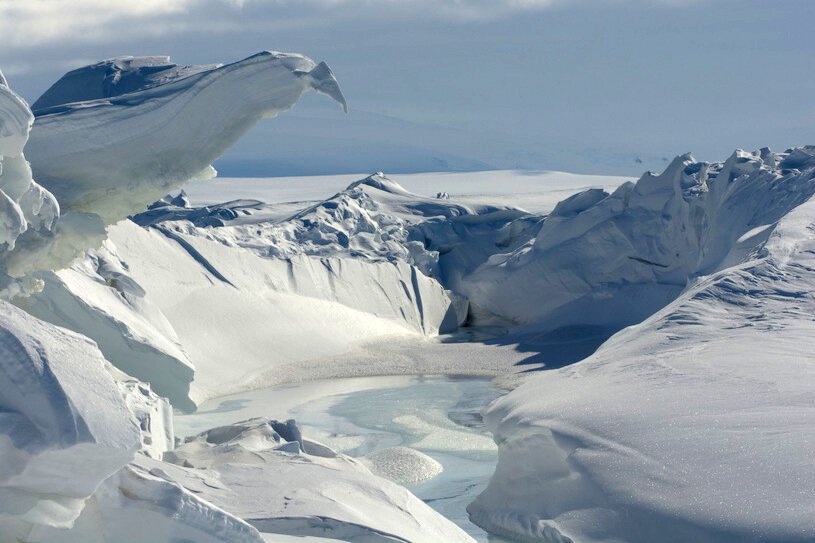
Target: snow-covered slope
(695,424)
(171,302)
(281,483)
(168,307)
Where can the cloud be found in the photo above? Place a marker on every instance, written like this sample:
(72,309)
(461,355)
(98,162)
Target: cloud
(28,23)
(31,23)
(34,22)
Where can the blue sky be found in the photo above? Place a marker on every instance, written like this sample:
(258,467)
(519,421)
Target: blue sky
(578,85)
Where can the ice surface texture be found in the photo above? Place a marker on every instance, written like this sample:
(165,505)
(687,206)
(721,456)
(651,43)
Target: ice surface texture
(693,425)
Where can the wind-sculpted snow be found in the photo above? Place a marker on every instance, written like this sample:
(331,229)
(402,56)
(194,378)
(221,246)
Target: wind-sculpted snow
(118,146)
(613,259)
(169,307)
(693,425)
(64,424)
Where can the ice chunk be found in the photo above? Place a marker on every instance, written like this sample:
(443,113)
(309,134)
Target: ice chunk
(24,205)
(111,138)
(402,465)
(64,425)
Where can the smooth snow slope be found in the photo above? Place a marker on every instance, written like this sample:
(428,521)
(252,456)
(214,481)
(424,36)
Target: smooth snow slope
(693,425)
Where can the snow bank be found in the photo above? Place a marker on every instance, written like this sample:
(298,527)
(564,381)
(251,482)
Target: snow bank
(693,425)
(111,138)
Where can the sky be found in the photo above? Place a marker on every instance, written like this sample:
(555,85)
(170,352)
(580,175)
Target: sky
(589,86)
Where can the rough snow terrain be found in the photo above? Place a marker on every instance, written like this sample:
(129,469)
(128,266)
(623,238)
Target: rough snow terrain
(81,440)
(690,422)
(693,425)
(111,138)
(353,267)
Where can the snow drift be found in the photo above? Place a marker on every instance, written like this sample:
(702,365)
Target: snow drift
(693,425)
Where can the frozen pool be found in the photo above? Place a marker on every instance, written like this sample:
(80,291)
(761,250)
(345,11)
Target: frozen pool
(437,416)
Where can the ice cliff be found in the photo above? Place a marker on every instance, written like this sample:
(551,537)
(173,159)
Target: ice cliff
(27,210)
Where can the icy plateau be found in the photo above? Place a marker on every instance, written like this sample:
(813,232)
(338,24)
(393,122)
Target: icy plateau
(658,335)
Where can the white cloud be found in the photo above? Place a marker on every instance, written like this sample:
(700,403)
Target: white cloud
(33,22)
(26,23)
